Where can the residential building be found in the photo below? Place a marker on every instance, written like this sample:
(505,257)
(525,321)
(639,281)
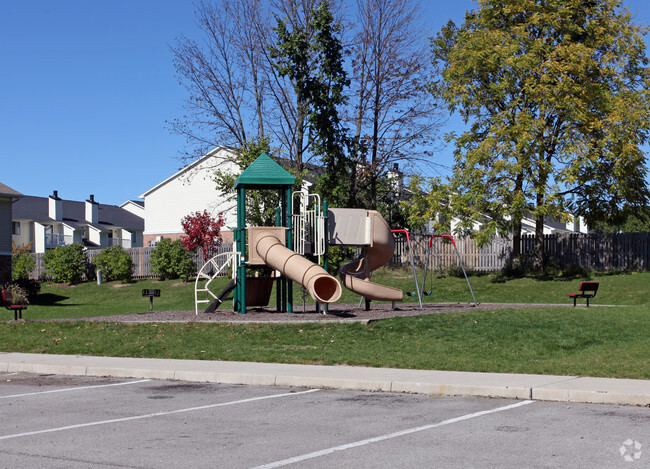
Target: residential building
(8,197)
(191,189)
(578,225)
(49,222)
(136,207)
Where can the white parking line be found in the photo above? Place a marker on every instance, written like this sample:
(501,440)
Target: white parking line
(157,414)
(74,389)
(316,454)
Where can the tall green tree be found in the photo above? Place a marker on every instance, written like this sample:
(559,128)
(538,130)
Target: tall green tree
(555,93)
(637,222)
(310,55)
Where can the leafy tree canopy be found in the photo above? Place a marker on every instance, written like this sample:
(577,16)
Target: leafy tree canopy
(555,93)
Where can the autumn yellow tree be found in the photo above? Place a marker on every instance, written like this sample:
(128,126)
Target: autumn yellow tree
(555,95)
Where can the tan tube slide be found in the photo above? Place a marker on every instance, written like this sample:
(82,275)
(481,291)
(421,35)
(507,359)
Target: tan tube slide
(322,287)
(356,275)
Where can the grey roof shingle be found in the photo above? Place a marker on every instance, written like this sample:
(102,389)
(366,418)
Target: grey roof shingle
(8,191)
(74,214)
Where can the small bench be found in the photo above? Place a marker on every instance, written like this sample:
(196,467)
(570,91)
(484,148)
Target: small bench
(7,303)
(586,290)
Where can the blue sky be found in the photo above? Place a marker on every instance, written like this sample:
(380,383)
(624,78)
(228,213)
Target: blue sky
(86,88)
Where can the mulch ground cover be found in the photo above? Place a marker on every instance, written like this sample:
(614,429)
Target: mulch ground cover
(336,313)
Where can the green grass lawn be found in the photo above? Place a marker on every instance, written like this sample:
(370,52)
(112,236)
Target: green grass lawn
(90,299)
(603,341)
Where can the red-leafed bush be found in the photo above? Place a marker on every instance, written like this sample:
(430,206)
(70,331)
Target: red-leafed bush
(202,231)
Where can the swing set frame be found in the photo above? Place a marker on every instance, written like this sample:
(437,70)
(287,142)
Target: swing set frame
(415,275)
(460,260)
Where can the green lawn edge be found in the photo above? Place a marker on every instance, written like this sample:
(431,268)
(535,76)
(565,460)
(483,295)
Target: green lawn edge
(598,341)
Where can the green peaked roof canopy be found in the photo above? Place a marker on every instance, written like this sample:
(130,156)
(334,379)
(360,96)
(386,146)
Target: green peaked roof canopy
(264,172)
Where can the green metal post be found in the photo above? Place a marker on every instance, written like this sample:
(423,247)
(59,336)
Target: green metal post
(327,244)
(288,213)
(279,283)
(240,240)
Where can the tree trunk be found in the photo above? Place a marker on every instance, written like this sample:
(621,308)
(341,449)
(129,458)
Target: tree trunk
(539,243)
(539,234)
(516,242)
(299,136)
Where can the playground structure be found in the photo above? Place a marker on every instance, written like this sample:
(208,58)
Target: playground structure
(367,228)
(284,249)
(266,246)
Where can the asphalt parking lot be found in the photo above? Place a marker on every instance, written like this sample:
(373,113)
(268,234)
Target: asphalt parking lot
(73,422)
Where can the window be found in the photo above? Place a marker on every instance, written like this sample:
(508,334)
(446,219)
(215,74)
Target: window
(15,227)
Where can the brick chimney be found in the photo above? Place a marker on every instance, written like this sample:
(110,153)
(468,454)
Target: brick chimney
(55,208)
(92,210)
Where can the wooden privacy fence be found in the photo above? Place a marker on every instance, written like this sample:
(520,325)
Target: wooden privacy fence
(443,255)
(594,251)
(141,258)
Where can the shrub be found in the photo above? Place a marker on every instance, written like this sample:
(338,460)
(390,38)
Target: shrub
(115,264)
(66,264)
(338,256)
(17,295)
(171,260)
(202,231)
(22,262)
(30,286)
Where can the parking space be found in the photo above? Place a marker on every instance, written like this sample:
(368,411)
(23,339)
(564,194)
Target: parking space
(56,421)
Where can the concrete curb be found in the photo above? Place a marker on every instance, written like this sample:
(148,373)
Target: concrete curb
(451,383)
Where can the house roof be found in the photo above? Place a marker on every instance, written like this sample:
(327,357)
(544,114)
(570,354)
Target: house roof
(7,191)
(186,169)
(265,172)
(74,214)
(134,202)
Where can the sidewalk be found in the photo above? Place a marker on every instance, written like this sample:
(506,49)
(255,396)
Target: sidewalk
(513,386)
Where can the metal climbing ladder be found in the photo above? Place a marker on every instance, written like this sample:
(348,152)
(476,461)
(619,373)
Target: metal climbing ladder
(210,271)
(309,226)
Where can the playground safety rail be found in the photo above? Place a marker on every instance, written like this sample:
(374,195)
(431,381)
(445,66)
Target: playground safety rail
(215,268)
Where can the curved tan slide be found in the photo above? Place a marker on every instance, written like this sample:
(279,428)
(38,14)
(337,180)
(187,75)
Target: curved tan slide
(356,275)
(322,287)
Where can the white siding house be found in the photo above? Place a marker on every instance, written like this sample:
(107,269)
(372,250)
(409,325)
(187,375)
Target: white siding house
(192,189)
(135,207)
(578,225)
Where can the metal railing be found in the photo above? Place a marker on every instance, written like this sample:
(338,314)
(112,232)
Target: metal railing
(124,242)
(56,240)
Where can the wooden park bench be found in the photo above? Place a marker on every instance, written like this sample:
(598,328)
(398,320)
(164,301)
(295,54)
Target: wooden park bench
(16,308)
(585,290)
